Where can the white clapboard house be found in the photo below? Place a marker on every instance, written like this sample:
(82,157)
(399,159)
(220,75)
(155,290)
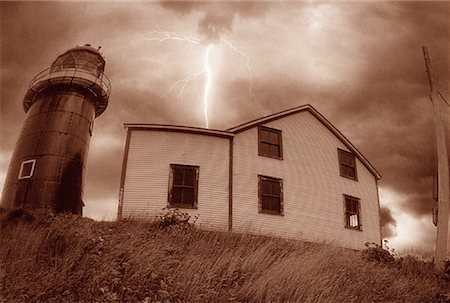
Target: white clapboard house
(290,174)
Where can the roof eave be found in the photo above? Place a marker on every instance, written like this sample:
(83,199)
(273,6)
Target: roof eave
(177,128)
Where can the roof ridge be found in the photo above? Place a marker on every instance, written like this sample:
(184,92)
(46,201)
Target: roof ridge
(280,114)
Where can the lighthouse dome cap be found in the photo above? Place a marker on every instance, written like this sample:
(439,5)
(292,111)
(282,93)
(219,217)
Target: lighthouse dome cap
(86,47)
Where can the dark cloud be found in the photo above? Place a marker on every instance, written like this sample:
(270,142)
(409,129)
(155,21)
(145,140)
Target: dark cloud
(245,9)
(218,17)
(182,7)
(390,104)
(25,49)
(212,26)
(388,223)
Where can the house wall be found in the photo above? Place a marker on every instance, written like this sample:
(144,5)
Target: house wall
(150,154)
(313,188)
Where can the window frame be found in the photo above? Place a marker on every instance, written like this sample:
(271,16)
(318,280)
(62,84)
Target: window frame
(262,178)
(341,164)
(348,213)
(194,204)
(262,128)
(22,165)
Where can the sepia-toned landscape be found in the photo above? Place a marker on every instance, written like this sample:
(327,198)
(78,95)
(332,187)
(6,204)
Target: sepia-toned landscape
(72,259)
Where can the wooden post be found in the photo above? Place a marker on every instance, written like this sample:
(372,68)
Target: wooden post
(443,171)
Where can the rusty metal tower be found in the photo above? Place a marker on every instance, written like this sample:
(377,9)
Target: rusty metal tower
(47,167)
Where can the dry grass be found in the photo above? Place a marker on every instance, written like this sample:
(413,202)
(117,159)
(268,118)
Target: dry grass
(70,259)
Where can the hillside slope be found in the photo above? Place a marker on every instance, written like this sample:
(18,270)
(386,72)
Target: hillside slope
(66,258)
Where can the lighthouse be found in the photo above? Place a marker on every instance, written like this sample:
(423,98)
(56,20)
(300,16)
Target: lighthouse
(48,165)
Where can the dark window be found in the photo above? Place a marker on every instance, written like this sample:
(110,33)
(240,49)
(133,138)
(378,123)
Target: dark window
(183,186)
(270,195)
(347,164)
(27,169)
(269,142)
(352,212)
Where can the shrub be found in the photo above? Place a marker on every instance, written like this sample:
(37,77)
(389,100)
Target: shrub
(18,214)
(175,217)
(375,253)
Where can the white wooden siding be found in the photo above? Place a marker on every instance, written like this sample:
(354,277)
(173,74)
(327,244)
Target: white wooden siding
(147,174)
(313,188)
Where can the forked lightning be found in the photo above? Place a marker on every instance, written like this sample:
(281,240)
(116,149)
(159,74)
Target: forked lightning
(162,36)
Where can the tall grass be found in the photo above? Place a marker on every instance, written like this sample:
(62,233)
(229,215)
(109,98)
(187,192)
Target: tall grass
(71,259)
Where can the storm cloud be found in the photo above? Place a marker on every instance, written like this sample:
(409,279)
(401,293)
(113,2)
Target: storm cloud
(217,17)
(388,223)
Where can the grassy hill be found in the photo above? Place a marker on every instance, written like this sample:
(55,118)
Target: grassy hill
(66,258)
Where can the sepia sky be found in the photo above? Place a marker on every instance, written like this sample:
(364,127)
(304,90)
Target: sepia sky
(358,63)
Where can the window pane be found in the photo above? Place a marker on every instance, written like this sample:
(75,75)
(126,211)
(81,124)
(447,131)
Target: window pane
(265,187)
(265,202)
(351,205)
(353,221)
(265,136)
(176,195)
(274,150)
(275,204)
(347,159)
(348,171)
(189,177)
(265,149)
(188,196)
(351,172)
(177,176)
(273,138)
(275,189)
(27,168)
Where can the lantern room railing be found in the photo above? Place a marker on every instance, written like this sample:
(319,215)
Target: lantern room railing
(93,80)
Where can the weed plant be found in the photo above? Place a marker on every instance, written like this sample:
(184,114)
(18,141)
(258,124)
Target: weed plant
(66,258)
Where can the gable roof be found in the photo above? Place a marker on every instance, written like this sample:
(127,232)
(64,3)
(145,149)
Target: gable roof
(315,113)
(231,132)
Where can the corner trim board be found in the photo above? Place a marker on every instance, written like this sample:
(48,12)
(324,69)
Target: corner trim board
(230,186)
(123,175)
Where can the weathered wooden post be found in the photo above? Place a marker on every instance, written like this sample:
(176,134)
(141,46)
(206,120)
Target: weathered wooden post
(443,170)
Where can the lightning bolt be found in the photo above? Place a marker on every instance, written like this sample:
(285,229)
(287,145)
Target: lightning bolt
(162,36)
(183,82)
(171,36)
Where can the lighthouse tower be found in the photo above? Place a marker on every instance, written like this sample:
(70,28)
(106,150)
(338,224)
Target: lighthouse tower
(48,165)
